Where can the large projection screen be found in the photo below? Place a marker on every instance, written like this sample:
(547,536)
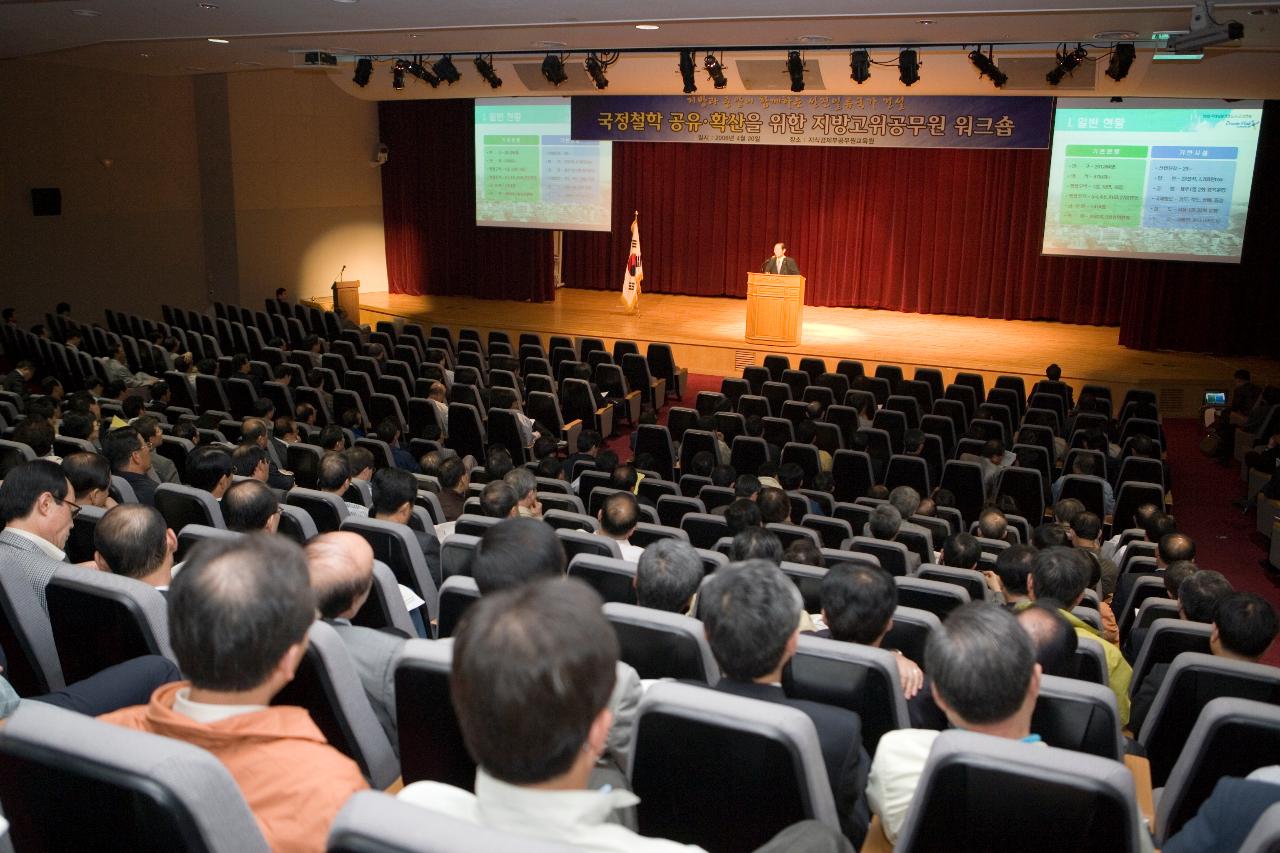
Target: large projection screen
(1166,179)
(531,174)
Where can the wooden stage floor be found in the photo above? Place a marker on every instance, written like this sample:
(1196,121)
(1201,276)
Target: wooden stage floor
(707,337)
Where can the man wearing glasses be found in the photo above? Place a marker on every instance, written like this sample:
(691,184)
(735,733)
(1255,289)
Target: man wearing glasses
(37,505)
(130,458)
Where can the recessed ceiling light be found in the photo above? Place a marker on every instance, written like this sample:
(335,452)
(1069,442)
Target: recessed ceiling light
(924,22)
(813,39)
(208,5)
(248,63)
(218,41)
(550,44)
(348,2)
(1115,35)
(86,13)
(145,55)
(647,27)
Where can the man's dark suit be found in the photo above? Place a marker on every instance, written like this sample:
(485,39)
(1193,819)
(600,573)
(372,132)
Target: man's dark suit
(1225,818)
(430,546)
(789,266)
(144,488)
(840,735)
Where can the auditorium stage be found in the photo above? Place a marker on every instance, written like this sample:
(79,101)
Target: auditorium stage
(707,337)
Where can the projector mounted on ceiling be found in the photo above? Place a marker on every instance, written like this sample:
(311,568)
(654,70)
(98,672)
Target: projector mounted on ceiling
(1205,31)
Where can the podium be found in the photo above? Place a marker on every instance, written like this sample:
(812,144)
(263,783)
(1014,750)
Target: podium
(775,307)
(346,295)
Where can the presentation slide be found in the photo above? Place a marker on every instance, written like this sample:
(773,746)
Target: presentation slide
(1151,178)
(530,174)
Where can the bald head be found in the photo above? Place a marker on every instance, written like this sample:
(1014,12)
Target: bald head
(1052,637)
(133,540)
(341,568)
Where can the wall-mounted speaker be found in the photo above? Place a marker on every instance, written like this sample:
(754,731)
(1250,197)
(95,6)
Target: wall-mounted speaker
(46,201)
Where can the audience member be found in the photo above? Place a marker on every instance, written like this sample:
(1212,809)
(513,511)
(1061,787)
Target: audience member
(209,469)
(37,505)
(36,433)
(394,495)
(238,617)
(885,523)
(162,468)
(133,540)
(251,461)
(389,432)
(340,566)
(454,482)
(751,612)
(524,483)
(756,543)
(1009,580)
(774,505)
(250,505)
(961,551)
(1060,575)
(857,607)
(804,552)
(334,476)
(984,678)
(130,458)
(1054,640)
(740,514)
(618,518)
(498,500)
(90,477)
(667,576)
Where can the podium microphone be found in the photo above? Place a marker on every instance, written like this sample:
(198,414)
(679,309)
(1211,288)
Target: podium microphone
(341,271)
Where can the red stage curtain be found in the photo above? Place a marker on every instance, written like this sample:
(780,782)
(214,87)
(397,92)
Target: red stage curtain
(938,231)
(429,212)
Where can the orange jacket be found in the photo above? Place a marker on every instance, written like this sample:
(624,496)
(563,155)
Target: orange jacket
(293,781)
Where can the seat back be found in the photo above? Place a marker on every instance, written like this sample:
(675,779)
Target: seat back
(935,596)
(455,555)
(384,607)
(577,542)
(863,679)
(910,633)
(100,619)
(971,581)
(182,505)
(26,637)
(615,580)
(1049,799)
(694,747)
(457,593)
(396,545)
(1231,737)
(892,555)
(328,511)
(374,822)
(1167,639)
(116,788)
(1078,715)
(431,745)
(662,645)
(1193,680)
(328,686)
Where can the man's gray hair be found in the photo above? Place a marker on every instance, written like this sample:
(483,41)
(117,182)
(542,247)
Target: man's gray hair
(981,662)
(750,610)
(522,481)
(905,500)
(668,575)
(886,521)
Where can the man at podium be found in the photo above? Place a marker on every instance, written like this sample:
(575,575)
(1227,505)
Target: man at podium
(779,263)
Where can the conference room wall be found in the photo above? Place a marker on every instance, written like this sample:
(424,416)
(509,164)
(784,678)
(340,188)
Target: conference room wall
(122,148)
(307,198)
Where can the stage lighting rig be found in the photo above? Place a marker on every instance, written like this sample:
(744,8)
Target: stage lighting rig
(860,66)
(687,69)
(715,70)
(484,65)
(1122,56)
(417,69)
(445,70)
(596,64)
(364,70)
(987,67)
(1067,63)
(795,70)
(553,69)
(397,76)
(908,66)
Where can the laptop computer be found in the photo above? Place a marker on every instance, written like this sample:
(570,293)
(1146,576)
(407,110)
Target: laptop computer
(1215,398)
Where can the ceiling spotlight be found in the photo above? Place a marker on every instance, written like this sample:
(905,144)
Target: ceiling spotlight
(445,70)
(397,77)
(485,68)
(595,69)
(715,70)
(987,67)
(795,70)
(860,65)
(553,69)
(687,69)
(364,70)
(1067,62)
(218,41)
(417,69)
(908,66)
(1122,56)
